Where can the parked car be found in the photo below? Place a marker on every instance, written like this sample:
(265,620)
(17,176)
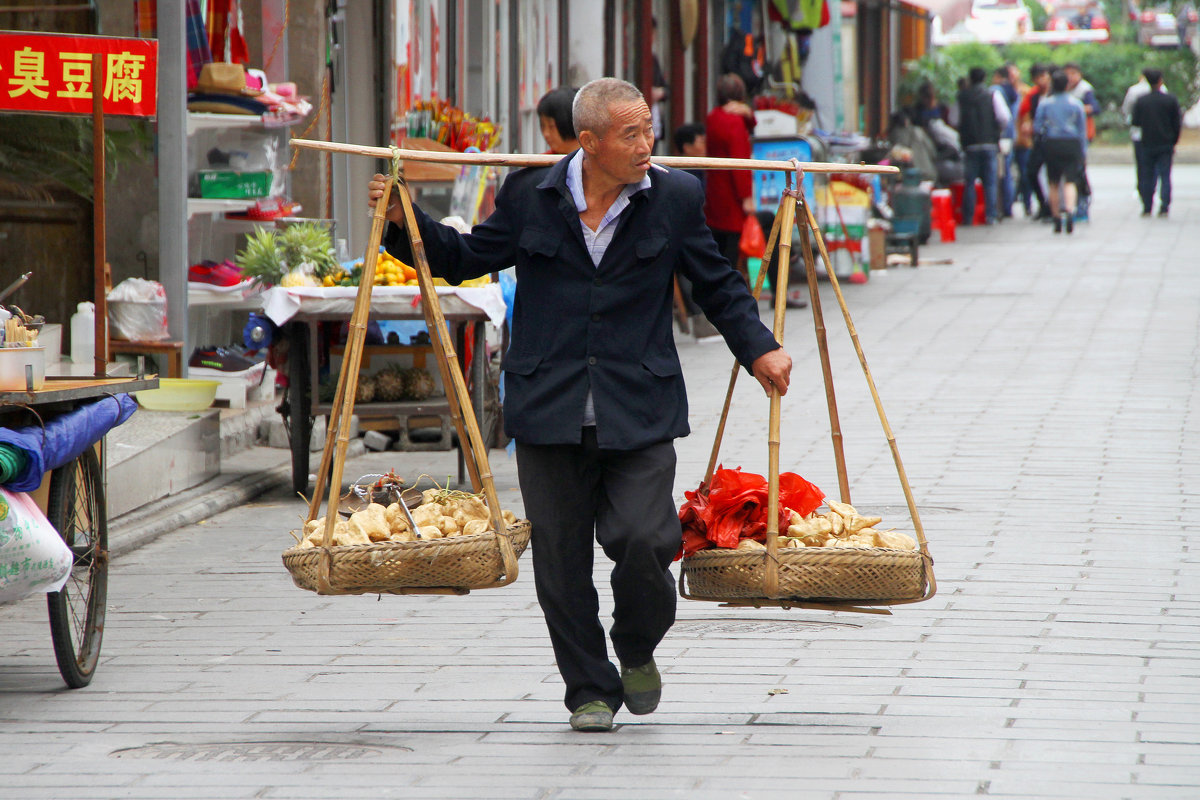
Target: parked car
(998,21)
(1159,27)
(1077,18)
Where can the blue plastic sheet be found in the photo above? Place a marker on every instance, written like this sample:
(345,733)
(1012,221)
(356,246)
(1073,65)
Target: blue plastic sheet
(64,437)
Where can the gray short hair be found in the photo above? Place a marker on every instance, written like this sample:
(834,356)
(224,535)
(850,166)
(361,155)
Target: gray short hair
(589,111)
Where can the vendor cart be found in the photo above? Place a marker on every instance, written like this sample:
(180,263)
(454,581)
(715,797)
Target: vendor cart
(465,309)
(75,506)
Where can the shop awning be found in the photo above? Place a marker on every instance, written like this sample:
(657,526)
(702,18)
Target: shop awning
(952,12)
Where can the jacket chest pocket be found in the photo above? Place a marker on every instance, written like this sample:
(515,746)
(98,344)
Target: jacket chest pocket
(650,247)
(540,242)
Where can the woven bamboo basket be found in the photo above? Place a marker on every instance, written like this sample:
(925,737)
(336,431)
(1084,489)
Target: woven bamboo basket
(830,577)
(853,574)
(455,565)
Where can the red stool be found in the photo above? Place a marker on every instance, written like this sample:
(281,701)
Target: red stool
(956,196)
(942,213)
(980,205)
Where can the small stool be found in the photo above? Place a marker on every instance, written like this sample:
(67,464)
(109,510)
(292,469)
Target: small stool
(172,350)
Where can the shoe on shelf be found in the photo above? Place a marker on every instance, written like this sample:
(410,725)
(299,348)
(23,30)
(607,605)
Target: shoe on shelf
(221,359)
(593,717)
(643,687)
(210,272)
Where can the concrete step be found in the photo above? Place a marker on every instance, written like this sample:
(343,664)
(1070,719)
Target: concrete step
(157,454)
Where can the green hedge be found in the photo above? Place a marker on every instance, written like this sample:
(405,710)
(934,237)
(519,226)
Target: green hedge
(1111,69)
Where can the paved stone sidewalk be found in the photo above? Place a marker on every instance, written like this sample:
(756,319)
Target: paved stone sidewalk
(1042,393)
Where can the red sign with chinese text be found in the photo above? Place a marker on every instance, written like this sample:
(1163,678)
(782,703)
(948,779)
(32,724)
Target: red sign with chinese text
(52,73)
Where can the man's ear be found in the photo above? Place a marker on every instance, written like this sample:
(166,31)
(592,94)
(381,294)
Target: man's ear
(589,142)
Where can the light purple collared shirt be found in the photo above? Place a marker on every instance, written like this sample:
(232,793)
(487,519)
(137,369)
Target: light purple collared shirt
(598,240)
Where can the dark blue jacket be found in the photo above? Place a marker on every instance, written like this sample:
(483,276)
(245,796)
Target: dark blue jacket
(609,327)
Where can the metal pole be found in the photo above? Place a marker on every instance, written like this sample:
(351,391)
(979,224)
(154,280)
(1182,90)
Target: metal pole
(172,168)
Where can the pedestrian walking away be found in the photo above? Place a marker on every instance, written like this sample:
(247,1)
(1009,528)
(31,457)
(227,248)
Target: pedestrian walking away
(1030,156)
(1158,119)
(1084,92)
(1132,94)
(1004,83)
(1061,123)
(594,389)
(983,117)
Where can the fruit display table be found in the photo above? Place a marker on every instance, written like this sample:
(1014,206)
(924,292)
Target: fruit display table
(298,311)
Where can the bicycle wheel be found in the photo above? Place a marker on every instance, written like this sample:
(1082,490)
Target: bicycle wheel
(77,511)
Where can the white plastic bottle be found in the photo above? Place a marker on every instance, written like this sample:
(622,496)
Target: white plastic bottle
(83,333)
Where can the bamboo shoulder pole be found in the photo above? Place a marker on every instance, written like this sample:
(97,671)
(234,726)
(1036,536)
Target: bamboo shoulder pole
(534,160)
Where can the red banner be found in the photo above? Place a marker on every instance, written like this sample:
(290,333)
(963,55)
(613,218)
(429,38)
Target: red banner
(52,73)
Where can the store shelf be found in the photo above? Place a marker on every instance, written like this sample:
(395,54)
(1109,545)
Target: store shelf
(198,121)
(201,205)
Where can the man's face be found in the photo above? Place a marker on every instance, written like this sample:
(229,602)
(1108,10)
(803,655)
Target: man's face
(1043,80)
(697,148)
(1014,75)
(1073,77)
(623,151)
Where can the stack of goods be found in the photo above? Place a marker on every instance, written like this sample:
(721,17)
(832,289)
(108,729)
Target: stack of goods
(19,329)
(442,514)
(392,384)
(389,271)
(228,88)
(731,512)
(444,123)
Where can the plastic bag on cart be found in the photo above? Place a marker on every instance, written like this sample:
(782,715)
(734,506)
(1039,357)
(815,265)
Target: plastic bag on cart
(63,438)
(137,311)
(33,557)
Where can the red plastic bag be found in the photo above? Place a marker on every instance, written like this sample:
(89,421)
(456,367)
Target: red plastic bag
(752,244)
(734,507)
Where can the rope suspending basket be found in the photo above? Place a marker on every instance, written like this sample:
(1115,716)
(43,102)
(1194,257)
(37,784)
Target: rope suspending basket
(483,557)
(883,569)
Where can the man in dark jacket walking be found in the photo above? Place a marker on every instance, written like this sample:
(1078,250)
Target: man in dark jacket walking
(1158,116)
(982,115)
(594,388)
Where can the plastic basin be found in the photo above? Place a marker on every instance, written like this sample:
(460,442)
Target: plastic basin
(179,394)
(13,361)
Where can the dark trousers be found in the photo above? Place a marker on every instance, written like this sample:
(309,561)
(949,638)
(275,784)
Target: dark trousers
(1154,168)
(1137,160)
(1029,176)
(574,496)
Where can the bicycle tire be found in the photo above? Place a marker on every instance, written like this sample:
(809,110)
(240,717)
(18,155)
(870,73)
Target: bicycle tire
(77,510)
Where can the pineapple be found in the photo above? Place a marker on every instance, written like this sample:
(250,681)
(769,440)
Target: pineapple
(418,384)
(389,385)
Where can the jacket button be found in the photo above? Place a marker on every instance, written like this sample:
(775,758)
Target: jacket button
(595,317)
(591,361)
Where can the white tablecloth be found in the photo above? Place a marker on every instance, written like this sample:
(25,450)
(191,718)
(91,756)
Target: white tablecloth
(282,304)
